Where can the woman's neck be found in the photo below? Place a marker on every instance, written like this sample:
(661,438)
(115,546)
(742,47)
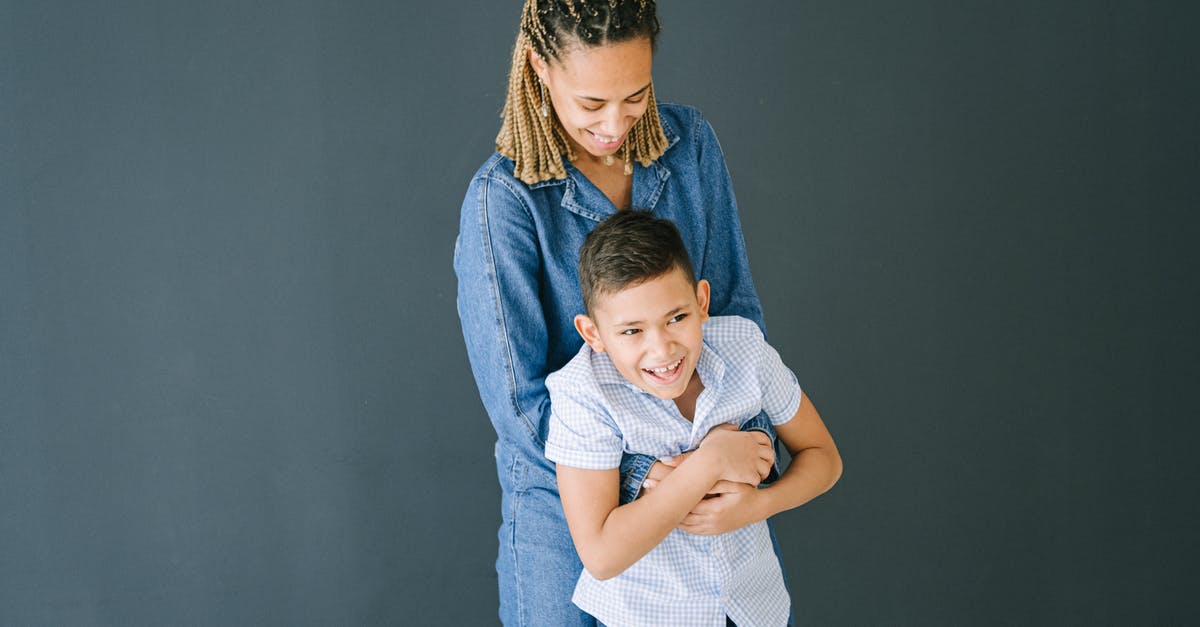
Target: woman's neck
(609,179)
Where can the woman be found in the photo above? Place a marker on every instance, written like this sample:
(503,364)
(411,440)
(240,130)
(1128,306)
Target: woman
(582,137)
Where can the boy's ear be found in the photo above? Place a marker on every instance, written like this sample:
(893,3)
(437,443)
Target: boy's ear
(588,331)
(702,296)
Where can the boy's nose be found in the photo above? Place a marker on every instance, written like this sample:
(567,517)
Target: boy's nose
(660,344)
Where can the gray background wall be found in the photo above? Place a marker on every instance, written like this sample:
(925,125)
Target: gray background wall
(233,388)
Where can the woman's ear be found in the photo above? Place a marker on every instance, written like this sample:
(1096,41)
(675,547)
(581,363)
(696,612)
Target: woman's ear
(538,64)
(588,331)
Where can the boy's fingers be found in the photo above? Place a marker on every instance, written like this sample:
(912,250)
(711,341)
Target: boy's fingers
(768,455)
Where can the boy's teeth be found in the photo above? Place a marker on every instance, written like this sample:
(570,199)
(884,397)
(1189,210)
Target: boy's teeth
(665,368)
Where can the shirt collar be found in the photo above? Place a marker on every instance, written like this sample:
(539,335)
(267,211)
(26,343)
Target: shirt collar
(583,198)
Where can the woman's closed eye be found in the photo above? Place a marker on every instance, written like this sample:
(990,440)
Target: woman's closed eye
(635,100)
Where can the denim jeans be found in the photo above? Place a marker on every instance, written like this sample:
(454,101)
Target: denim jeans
(515,258)
(537,566)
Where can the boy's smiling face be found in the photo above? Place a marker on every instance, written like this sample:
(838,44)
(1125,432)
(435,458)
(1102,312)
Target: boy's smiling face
(651,331)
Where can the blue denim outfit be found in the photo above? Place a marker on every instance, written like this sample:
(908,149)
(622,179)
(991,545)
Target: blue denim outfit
(518,292)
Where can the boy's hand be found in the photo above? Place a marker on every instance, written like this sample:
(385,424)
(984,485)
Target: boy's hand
(728,506)
(738,456)
(663,467)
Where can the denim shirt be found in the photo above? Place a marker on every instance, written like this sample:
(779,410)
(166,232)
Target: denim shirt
(516,257)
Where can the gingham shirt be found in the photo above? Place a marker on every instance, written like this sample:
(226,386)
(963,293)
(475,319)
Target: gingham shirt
(687,580)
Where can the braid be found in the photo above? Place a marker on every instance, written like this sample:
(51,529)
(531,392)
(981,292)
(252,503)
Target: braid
(538,144)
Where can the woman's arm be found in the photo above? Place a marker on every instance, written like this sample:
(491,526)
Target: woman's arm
(497,262)
(725,263)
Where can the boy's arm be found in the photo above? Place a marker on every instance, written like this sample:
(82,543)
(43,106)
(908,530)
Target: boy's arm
(611,537)
(654,470)
(815,467)
(816,464)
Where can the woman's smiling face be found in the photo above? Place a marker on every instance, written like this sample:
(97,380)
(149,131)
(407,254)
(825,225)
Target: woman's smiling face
(598,92)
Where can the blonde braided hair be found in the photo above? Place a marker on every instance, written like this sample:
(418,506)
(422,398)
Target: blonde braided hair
(537,144)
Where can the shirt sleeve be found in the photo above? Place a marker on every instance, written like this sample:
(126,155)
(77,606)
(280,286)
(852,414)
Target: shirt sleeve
(582,432)
(497,263)
(780,390)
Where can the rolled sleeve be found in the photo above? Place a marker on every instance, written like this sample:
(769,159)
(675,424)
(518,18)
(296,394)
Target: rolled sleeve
(762,422)
(634,469)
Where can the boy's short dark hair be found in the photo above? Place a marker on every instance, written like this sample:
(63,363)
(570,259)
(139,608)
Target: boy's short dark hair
(627,249)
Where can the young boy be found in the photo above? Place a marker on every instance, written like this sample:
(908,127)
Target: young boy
(656,376)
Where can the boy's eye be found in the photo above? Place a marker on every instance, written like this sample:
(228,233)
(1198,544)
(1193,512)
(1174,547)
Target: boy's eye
(631,331)
(678,318)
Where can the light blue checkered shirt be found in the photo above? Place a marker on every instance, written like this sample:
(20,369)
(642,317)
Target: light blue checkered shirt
(687,580)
